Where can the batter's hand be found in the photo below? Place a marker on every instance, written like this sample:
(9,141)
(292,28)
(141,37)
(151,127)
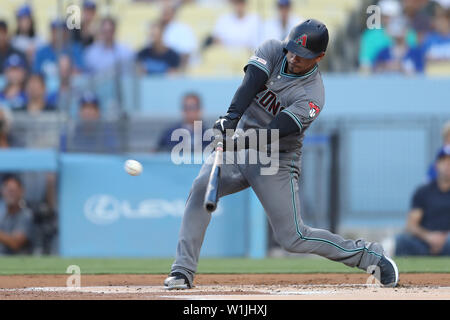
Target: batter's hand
(228,122)
(230,143)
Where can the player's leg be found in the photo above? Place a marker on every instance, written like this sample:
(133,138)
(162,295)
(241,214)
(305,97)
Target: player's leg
(279,197)
(196,219)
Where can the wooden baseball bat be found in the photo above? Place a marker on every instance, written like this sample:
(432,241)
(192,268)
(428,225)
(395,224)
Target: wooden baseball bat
(212,189)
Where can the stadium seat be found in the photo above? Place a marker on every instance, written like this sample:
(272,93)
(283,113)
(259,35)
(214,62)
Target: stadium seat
(438,68)
(220,60)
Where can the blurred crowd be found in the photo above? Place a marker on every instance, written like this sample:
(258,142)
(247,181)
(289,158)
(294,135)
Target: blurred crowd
(414,38)
(94,47)
(29,63)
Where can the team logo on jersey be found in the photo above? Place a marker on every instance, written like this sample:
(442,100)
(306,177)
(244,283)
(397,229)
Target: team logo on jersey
(301,40)
(258,59)
(314,109)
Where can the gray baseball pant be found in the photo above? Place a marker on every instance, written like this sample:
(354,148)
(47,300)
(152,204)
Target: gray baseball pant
(279,196)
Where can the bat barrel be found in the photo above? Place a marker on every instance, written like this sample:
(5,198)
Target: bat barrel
(212,189)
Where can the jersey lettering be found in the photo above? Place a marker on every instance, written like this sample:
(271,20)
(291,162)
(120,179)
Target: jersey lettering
(267,98)
(269,102)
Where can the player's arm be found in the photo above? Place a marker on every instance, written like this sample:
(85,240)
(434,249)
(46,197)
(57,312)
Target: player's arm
(253,82)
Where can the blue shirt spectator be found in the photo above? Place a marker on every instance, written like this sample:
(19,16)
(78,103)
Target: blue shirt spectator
(412,60)
(157,58)
(428,228)
(373,40)
(6,48)
(90,134)
(13,95)
(46,60)
(432,172)
(436,46)
(191,112)
(399,57)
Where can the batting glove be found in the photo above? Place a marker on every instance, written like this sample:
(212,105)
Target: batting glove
(228,122)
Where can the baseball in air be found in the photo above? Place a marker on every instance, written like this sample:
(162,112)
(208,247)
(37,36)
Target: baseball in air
(133,167)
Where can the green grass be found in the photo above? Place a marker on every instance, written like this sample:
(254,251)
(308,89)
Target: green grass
(55,265)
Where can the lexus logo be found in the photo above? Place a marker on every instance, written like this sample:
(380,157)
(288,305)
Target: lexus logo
(103,209)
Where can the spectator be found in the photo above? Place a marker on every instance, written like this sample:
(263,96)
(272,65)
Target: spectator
(36,94)
(90,134)
(13,94)
(5,126)
(399,57)
(15,218)
(157,58)
(446,133)
(85,36)
(191,112)
(419,15)
(428,227)
(279,26)
(432,171)
(177,35)
(106,55)
(46,61)
(26,40)
(375,40)
(437,43)
(238,29)
(6,49)
(69,87)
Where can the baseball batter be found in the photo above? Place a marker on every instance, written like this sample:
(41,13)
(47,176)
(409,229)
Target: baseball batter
(282,90)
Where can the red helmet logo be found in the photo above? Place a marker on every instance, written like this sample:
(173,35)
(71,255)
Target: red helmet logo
(301,40)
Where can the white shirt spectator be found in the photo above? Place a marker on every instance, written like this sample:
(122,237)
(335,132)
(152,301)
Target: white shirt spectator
(273,29)
(236,32)
(99,58)
(24,43)
(444,3)
(179,37)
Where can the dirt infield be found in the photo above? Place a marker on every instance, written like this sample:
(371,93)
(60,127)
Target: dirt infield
(226,286)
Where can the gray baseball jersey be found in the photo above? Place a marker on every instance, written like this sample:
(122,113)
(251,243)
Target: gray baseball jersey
(302,98)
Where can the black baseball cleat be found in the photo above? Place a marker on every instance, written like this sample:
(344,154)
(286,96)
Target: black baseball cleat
(176,280)
(388,272)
